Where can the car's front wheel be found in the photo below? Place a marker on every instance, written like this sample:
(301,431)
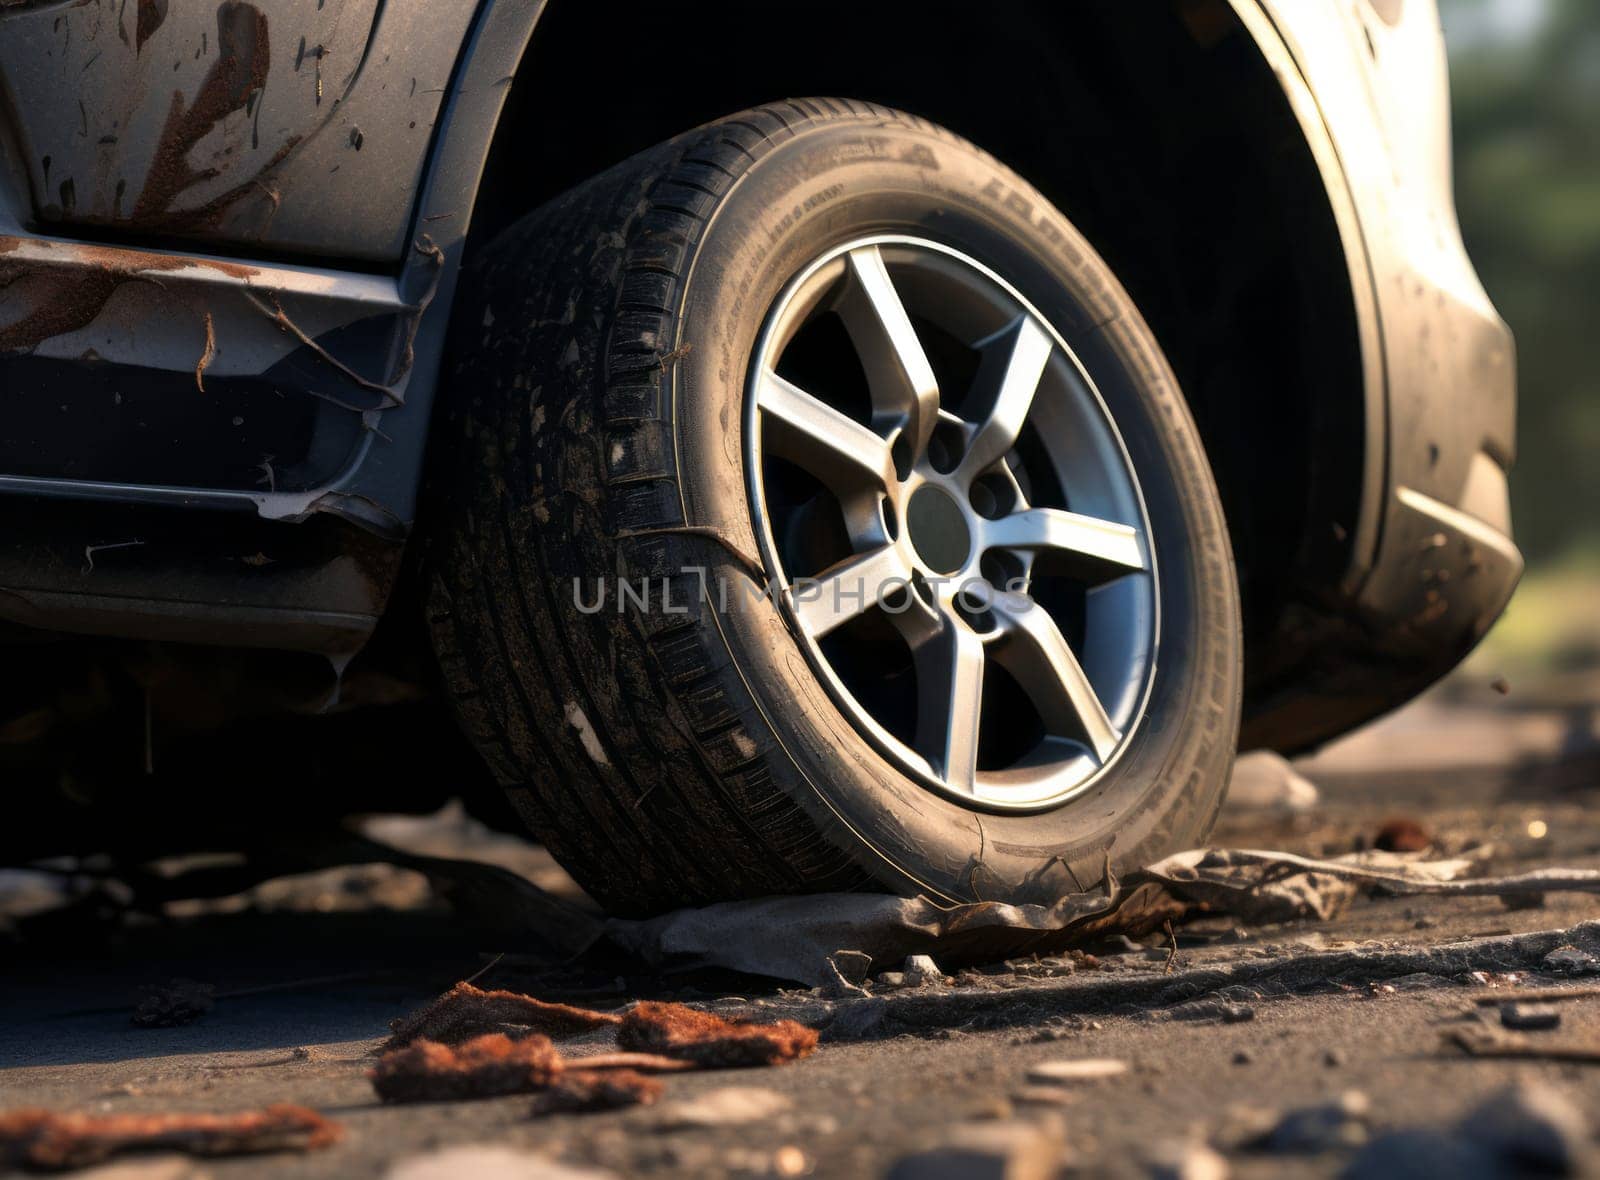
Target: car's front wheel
(816,509)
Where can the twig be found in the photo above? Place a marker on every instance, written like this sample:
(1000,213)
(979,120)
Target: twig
(1172,947)
(278,316)
(1535,995)
(206,355)
(677,354)
(90,550)
(485,969)
(641,1061)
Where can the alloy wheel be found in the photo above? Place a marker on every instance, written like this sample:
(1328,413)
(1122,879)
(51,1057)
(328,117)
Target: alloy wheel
(957,531)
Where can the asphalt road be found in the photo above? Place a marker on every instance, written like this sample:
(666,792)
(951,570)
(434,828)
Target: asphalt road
(309,972)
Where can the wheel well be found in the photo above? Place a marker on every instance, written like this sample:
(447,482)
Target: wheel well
(1156,126)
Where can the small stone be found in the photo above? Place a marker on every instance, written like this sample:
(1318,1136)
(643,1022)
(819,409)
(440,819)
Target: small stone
(487,1162)
(1213,1010)
(1312,1129)
(856,1019)
(1533,1128)
(162,1167)
(730,1106)
(921,970)
(1243,1057)
(1333,1058)
(837,971)
(1238,993)
(1418,981)
(1522,901)
(1529,1017)
(1569,960)
(1402,834)
(993,1108)
(853,966)
(1245,1128)
(1264,781)
(1422,1155)
(1081,1069)
(889,980)
(987,1151)
(1185,1159)
(174,1003)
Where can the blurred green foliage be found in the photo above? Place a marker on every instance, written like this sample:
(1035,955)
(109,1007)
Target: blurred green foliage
(1527,136)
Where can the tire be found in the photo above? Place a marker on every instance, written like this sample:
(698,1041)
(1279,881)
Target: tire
(595,427)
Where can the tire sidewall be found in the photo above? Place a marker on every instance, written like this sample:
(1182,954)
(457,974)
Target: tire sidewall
(838,182)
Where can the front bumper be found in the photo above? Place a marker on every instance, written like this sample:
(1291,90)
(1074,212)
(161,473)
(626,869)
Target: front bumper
(1432,561)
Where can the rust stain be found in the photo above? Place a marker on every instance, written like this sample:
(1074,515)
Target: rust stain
(465,1012)
(71,301)
(234,81)
(707,1039)
(582,1090)
(151,14)
(485,1067)
(42,1139)
(69,291)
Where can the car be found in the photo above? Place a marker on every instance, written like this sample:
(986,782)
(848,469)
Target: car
(883,445)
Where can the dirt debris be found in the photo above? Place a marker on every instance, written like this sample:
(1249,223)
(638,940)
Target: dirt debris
(1079,1069)
(1496,1042)
(1402,834)
(583,1090)
(796,938)
(1020,1150)
(175,1003)
(1184,1159)
(1529,1017)
(729,1106)
(486,1067)
(1571,960)
(1264,781)
(465,1012)
(1525,1129)
(442,1050)
(1310,1130)
(45,1141)
(710,1040)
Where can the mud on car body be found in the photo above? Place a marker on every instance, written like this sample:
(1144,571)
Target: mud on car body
(340,340)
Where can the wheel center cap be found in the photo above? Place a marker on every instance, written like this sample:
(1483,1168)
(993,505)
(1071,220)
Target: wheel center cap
(938,530)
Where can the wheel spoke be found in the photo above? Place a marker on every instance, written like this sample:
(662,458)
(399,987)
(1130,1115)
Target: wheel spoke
(905,393)
(1039,657)
(826,603)
(1095,549)
(949,667)
(1012,364)
(813,435)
